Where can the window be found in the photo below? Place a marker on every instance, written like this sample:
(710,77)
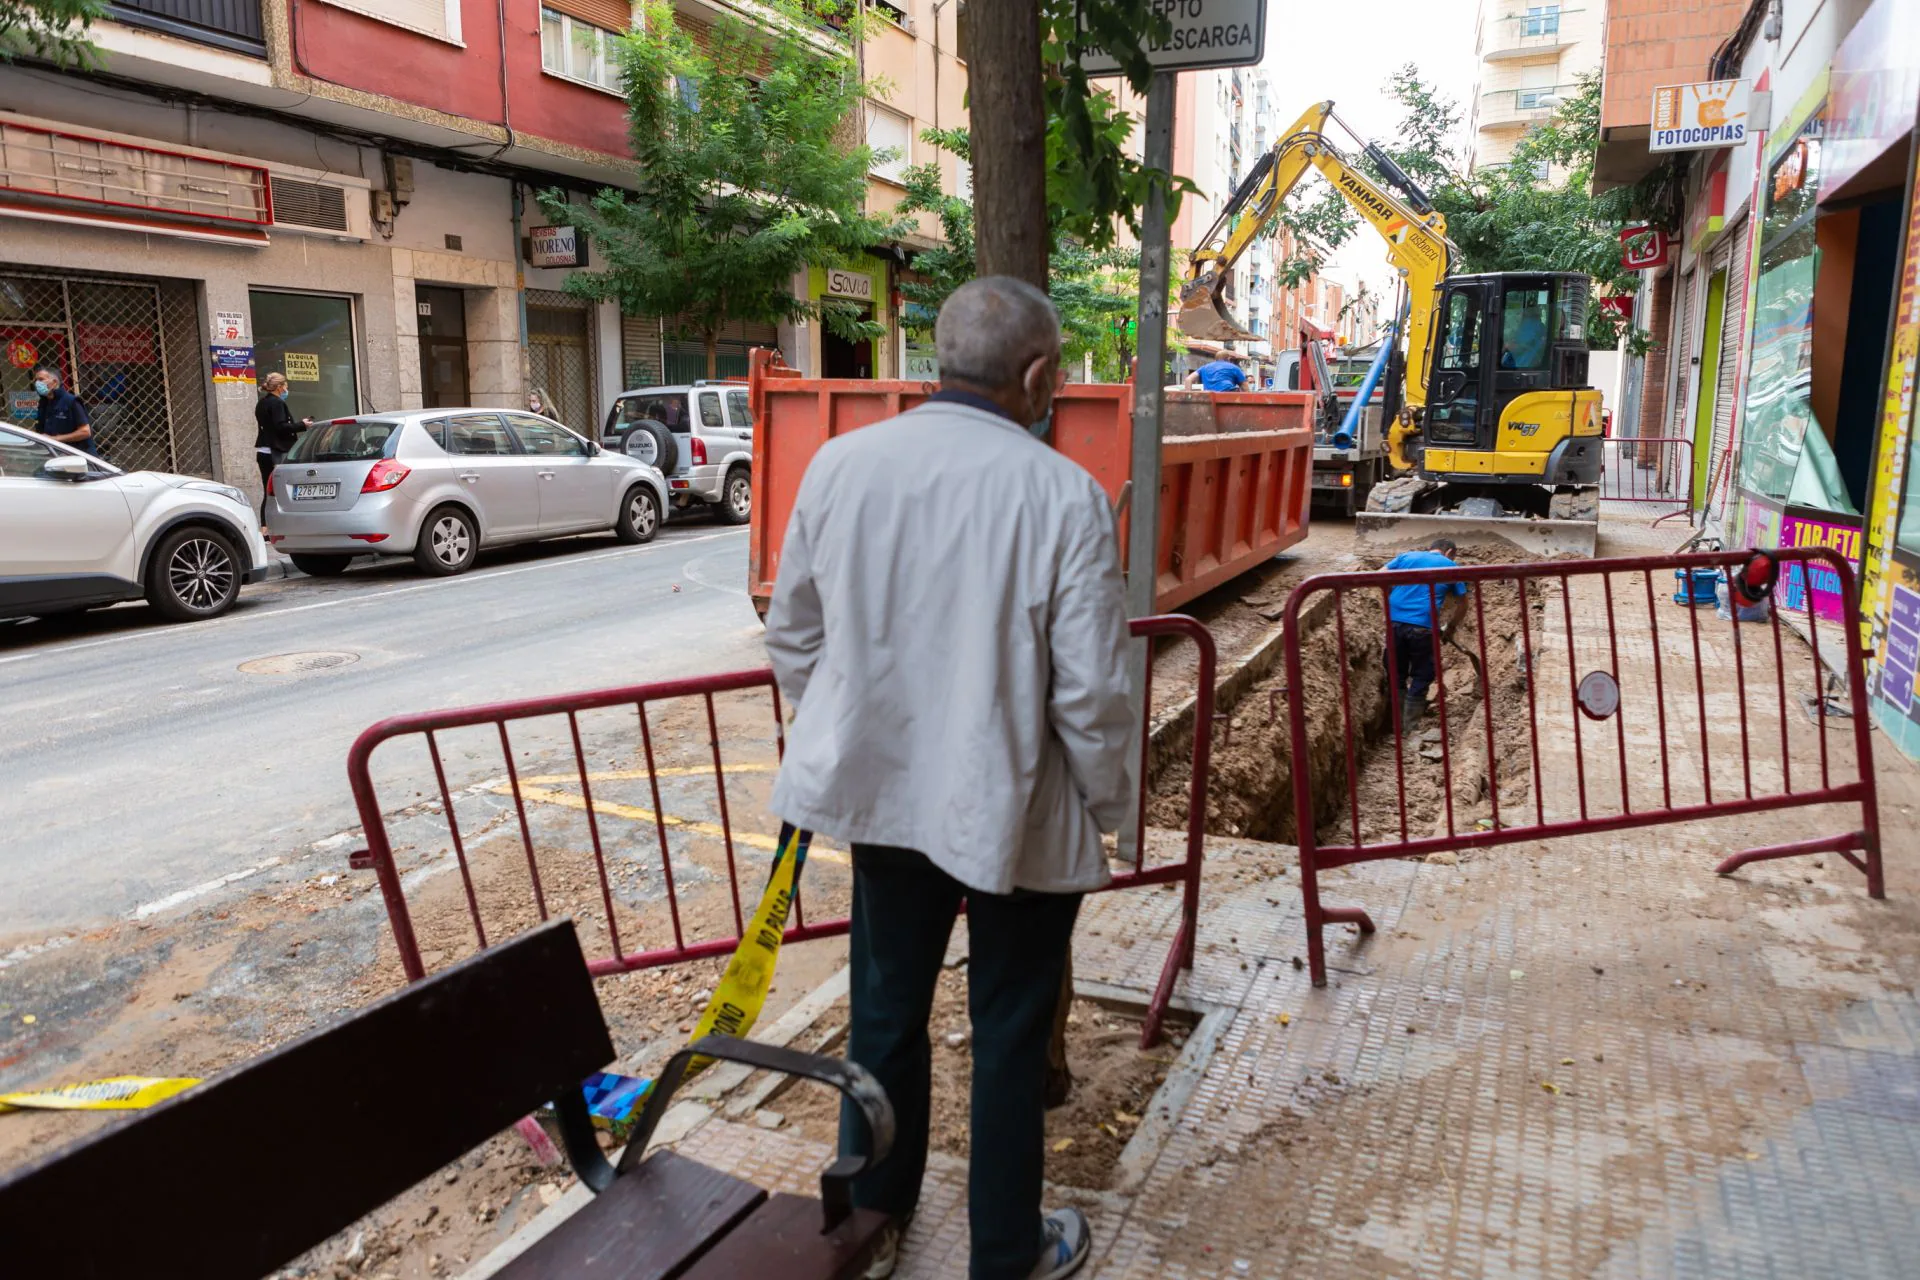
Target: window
(353,440)
(710,409)
(689,92)
(437,18)
(890,135)
(538,436)
(1529,99)
(22,456)
(739,410)
(962,179)
(1542,20)
(309,337)
(1523,329)
(579,51)
(478,435)
(891,12)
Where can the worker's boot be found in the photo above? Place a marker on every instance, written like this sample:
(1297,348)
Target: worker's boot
(1411,709)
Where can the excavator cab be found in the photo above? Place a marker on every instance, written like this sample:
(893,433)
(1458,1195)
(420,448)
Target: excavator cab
(1507,397)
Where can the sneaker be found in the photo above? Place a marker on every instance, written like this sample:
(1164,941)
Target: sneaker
(887,1256)
(1069,1242)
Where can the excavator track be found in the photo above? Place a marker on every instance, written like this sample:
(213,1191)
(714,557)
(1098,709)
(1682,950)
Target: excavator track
(1409,512)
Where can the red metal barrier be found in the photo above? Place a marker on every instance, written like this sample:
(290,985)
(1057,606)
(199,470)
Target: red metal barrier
(1546,655)
(428,726)
(1649,469)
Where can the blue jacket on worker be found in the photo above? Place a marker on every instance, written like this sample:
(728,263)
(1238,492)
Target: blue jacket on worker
(1413,603)
(1222,375)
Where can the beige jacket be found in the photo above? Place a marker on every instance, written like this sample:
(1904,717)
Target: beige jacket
(949,620)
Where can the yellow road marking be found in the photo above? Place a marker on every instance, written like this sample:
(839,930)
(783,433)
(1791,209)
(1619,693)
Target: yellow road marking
(634,813)
(622,775)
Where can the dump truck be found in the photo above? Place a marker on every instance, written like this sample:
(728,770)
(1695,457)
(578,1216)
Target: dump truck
(1489,420)
(1234,470)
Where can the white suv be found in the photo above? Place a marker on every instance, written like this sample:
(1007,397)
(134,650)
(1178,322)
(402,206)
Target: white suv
(76,533)
(700,436)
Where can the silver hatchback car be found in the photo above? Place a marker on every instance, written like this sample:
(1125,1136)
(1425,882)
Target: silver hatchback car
(440,484)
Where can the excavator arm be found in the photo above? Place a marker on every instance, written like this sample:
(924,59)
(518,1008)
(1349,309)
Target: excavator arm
(1416,236)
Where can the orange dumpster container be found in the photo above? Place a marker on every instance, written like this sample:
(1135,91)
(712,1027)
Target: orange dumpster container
(1234,469)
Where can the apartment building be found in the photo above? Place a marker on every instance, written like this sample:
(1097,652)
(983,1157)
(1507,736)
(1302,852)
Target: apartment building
(1530,57)
(343,191)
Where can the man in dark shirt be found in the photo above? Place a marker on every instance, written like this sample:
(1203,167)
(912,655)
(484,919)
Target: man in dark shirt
(62,416)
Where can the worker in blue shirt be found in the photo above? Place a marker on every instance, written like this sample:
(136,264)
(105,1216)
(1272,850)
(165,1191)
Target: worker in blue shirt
(61,415)
(1218,375)
(1410,614)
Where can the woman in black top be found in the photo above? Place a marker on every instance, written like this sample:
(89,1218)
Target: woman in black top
(278,430)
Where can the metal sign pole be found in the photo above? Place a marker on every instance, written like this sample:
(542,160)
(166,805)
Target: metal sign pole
(1148,380)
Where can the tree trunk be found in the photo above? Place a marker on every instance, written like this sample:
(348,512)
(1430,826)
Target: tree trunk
(1008,127)
(713,353)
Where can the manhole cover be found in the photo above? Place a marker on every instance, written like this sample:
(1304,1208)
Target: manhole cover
(293,664)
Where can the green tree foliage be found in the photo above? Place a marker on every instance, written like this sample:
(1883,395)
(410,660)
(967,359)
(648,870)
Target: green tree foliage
(52,30)
(744,175)
(1095,289)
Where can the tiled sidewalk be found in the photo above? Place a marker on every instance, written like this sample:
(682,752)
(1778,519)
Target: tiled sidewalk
(1588,1058)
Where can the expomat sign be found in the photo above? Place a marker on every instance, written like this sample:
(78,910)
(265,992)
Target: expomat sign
(1693,117)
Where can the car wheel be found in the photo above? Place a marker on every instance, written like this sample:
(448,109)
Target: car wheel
(448,542)
(650,442)
(321,566)
(736,502)
(639,515)
(194,573)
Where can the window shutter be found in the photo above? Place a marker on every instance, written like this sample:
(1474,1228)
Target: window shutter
(609,15)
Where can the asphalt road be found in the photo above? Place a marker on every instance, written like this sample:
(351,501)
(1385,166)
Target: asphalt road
(142,761)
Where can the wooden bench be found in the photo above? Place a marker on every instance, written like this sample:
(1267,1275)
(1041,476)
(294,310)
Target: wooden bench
(246,1172)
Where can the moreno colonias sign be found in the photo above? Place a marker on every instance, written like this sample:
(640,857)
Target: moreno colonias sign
(1205,33)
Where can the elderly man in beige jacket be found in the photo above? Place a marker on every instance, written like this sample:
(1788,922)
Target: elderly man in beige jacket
(949,621)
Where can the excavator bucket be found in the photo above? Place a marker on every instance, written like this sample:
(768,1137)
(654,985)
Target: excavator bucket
(1397,531)
(1203,310)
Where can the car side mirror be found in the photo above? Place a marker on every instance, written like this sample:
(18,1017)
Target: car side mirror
(593,450)
(67,466)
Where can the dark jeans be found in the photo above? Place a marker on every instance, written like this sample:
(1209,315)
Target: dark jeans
(1412,660)
(267,461)
(903,911)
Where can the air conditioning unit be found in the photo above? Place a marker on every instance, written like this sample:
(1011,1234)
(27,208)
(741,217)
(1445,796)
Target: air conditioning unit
(320,208)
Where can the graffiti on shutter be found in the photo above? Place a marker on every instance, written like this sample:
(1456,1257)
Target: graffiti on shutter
(1733,257)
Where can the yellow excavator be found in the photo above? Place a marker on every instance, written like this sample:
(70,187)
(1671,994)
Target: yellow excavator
(1486,412)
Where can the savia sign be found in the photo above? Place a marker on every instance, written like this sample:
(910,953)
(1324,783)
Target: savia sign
(556,247)
(1206,33)
(1693,117)
(849,284)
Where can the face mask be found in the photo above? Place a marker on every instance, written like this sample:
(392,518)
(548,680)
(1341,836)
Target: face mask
(284,392)
(42,386)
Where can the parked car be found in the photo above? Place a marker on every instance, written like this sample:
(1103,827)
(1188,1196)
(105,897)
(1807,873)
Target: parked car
(701,438)
(441,484)
(77,533)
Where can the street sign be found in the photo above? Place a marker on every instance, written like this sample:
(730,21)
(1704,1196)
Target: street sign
(1206,33)
(1643,248)
(1694,117)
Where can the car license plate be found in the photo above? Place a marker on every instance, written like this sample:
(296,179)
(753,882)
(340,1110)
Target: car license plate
(331,489)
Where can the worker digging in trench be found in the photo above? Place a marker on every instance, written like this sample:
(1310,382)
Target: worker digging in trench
(1410,618)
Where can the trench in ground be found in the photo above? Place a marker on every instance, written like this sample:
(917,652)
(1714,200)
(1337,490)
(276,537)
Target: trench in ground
(1358,768)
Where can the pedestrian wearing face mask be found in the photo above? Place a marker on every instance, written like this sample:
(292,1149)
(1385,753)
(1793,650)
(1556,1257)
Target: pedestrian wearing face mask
(538,401)
(62,417)
(278,430)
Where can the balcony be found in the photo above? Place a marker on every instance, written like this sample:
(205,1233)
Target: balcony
(1541,31)
(1505,108)
(225,24)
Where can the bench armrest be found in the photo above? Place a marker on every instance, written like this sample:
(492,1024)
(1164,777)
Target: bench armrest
(851,1079)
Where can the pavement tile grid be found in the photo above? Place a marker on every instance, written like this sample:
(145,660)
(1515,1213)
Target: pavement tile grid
(1585,1058)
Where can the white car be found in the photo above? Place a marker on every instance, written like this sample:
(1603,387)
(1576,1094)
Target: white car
(700,435)
(440,484)
(78,533)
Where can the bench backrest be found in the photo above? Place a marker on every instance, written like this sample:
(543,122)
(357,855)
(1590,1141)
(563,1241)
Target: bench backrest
(249,1170)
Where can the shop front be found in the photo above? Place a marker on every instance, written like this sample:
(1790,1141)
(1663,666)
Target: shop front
(859,289)
(1873,140)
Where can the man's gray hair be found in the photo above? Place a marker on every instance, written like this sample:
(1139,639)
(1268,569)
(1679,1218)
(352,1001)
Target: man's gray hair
(992,328)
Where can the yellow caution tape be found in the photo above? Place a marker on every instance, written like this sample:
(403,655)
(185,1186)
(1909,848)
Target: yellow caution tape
(116,1093)
(742,992)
